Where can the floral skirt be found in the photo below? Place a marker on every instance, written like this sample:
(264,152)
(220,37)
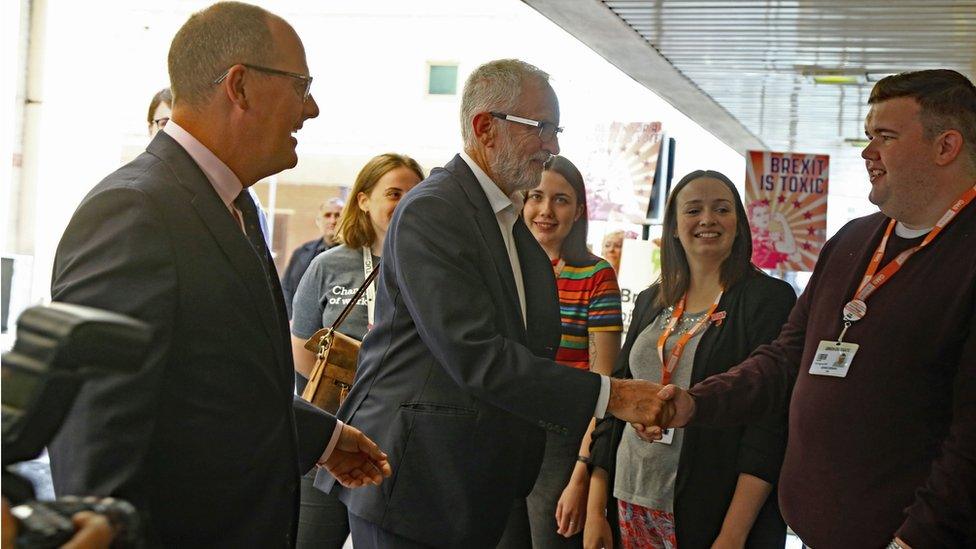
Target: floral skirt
(643,528)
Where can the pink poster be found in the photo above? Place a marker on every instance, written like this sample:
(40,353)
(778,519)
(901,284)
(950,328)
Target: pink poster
(786,200)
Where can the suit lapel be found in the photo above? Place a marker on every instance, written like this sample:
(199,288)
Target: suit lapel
(706,345)
(225,231)
(649,315)
(541,295)
(488,225)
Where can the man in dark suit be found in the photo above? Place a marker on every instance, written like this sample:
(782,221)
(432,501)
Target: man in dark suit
(457,378)
(207,439)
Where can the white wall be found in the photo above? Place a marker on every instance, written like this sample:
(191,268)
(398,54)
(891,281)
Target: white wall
(103,60)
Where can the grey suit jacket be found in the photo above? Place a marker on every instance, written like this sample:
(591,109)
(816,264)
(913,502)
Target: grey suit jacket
(450,382)
(203,439)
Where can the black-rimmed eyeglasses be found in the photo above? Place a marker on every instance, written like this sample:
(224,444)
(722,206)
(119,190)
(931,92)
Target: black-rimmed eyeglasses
(547,130)
(306,81)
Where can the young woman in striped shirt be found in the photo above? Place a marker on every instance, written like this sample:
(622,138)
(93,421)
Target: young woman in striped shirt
(589,303)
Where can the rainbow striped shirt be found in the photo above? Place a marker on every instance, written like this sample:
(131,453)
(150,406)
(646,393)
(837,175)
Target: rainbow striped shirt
(589,301)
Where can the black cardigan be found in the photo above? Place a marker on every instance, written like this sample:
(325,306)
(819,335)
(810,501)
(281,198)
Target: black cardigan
(712,459)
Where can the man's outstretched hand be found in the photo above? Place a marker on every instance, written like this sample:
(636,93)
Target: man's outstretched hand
(679,407)
(650,407)
(356,460)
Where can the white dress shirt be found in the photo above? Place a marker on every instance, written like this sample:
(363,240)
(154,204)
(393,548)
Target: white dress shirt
(507,211)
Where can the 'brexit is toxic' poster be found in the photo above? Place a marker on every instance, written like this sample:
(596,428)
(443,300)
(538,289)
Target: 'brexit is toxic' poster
(786,200)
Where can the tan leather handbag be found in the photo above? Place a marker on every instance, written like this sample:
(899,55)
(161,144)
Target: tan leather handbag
(336,355)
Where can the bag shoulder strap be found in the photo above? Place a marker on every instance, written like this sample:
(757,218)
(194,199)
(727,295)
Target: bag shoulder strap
(355,299)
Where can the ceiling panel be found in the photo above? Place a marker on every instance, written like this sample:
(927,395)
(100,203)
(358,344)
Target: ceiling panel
(757,58)
(754,60)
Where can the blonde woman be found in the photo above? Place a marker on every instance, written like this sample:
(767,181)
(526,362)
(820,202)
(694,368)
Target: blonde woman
(324,291)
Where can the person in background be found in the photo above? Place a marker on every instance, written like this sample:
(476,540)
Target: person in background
(711,307)
(613,243)
(326,220)
(325,290)
(159,112)
(882,439)
(589,304)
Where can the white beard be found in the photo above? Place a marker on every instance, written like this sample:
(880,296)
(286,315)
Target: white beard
(519,174)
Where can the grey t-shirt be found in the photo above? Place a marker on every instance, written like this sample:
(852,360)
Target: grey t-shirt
(646,471)
(331,280)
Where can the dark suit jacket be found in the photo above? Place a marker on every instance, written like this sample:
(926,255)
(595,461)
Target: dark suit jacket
(301,258)
(203,439)
(450,382)
(712,459)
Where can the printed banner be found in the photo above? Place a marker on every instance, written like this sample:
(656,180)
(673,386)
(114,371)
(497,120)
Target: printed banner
(786,200)
(640,266)
(619,170)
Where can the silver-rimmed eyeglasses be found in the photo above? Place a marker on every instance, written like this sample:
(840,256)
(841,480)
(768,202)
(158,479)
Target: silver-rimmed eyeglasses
(305,81)
(547,130)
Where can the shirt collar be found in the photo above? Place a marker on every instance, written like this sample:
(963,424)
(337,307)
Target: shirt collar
(499,202)
(904,232)
(224,181)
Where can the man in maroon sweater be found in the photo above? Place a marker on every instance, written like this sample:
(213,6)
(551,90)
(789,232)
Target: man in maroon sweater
(882,441)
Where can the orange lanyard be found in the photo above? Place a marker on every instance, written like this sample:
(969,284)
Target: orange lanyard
(679,347)
(855,309)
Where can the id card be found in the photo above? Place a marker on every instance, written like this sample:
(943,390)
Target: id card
(667,435)
(833,359)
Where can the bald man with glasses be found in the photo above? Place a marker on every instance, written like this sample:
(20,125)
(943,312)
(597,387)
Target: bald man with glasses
(207,440)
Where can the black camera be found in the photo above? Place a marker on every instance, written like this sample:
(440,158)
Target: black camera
(58,348)
(44,524)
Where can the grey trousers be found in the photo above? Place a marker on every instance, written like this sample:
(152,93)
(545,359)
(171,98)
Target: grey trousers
(533,522)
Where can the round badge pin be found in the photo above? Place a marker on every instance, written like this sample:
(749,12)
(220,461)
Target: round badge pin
(855,310)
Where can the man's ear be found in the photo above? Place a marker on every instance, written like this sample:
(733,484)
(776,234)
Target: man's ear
(484,128)
(233,86)
(948,145)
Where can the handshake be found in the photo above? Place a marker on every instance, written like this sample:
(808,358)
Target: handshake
(650,407)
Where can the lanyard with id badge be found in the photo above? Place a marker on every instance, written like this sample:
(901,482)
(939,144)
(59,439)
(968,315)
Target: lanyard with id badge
(834,358)
(668,366)
(371,289)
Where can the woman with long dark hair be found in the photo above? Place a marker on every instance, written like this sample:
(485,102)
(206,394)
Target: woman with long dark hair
(696,487)
(589,303)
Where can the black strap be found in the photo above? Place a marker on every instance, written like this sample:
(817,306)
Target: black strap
(352,302)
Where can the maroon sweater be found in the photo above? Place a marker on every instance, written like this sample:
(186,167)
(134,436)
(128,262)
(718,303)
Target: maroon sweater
(891,448)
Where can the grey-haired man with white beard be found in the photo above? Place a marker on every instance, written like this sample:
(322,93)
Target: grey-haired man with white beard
(456,378)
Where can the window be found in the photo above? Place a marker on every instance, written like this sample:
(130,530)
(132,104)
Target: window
(442,79)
